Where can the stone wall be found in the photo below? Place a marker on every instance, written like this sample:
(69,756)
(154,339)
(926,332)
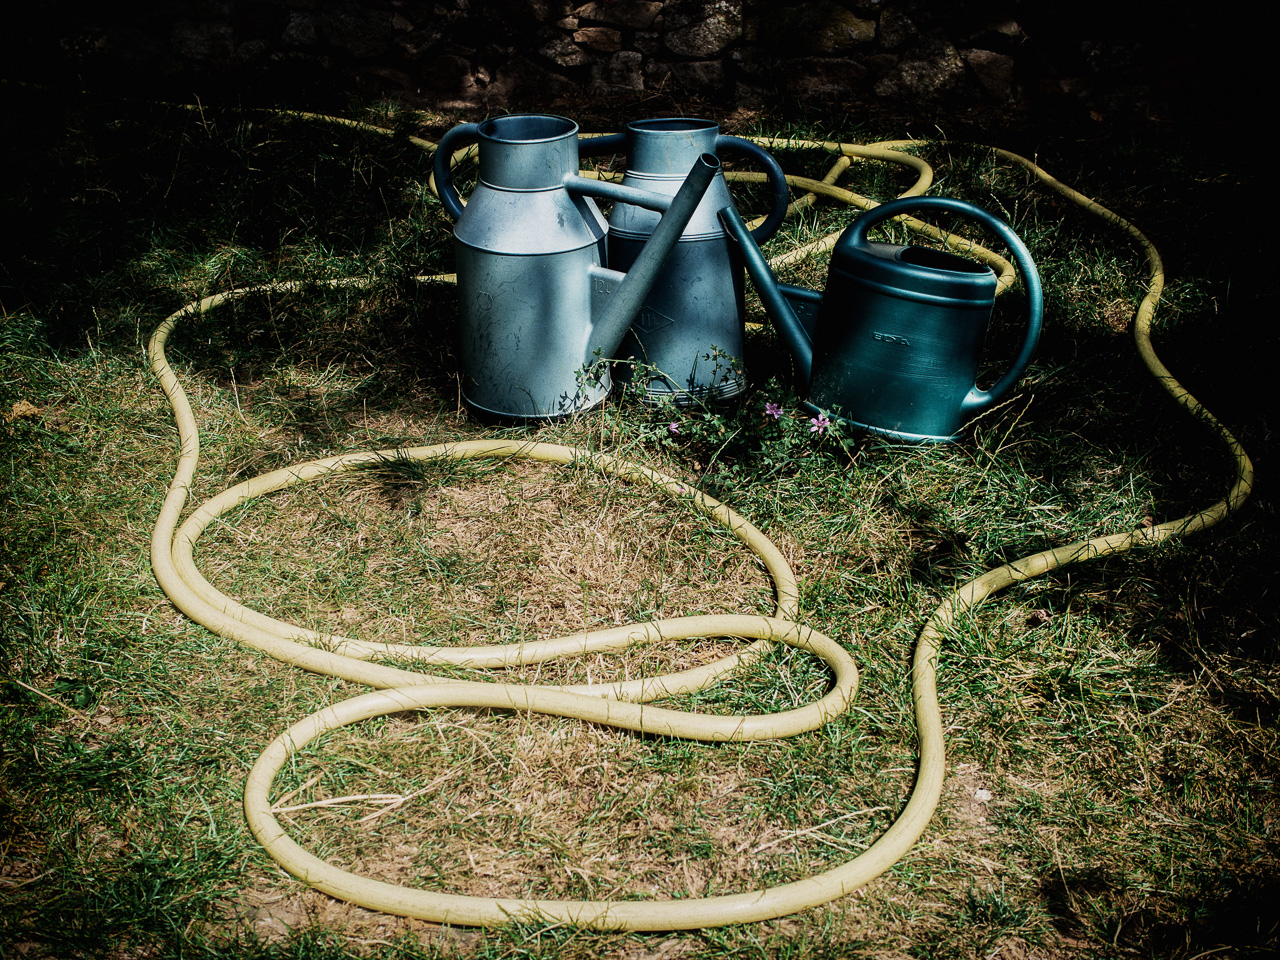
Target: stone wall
(521,54)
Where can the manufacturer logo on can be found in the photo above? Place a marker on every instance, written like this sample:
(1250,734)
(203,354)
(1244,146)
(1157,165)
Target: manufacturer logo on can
(649,320)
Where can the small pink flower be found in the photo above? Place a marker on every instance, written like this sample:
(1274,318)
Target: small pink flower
(819,424)
(673,428)
(774,410)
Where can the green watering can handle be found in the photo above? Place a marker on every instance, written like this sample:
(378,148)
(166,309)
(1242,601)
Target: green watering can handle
(779,196)
(977,400)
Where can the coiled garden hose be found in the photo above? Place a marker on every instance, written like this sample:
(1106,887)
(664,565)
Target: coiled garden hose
(618,704)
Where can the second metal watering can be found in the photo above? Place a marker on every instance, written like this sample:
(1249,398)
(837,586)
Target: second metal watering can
(539,313)
(898,334)
(689,333)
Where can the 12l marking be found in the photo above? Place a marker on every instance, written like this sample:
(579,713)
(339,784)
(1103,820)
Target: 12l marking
(890,338)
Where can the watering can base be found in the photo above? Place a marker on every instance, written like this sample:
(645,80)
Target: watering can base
(507,418)
(657,394)
(563,408)
(879,431)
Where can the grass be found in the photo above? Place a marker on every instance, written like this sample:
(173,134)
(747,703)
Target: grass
(1111,730)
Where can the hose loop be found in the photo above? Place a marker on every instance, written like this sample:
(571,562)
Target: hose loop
(620,704)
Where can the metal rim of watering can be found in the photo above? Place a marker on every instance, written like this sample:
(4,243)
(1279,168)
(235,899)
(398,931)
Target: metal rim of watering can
(527,128)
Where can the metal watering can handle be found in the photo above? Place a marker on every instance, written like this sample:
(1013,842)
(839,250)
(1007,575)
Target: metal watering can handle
(449,144)
(776,178)
(977,400)
(599,146)
(468,133)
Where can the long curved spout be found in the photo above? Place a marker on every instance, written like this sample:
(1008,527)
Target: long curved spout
(775,303)
(625,302)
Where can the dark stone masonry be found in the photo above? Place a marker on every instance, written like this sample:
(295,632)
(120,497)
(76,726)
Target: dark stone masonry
(1004,55)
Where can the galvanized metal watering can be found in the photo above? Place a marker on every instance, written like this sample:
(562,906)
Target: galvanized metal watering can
(689,333)
(892,344)
(539,312)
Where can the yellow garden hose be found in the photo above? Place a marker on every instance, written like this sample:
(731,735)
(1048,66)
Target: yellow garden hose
(826,187)
(1038,564)
(618,704)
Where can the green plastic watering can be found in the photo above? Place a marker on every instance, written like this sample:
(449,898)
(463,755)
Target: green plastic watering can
(892,345)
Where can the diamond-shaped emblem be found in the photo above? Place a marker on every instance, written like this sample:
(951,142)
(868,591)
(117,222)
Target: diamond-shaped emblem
(649,320)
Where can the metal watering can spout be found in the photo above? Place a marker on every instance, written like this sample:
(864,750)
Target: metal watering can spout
(622,305)
(688,338)
(892,345)
(539,313)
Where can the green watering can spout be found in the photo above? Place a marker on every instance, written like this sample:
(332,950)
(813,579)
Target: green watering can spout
(892,344)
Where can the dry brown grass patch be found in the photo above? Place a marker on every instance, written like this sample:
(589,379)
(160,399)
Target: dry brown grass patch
(496,553)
